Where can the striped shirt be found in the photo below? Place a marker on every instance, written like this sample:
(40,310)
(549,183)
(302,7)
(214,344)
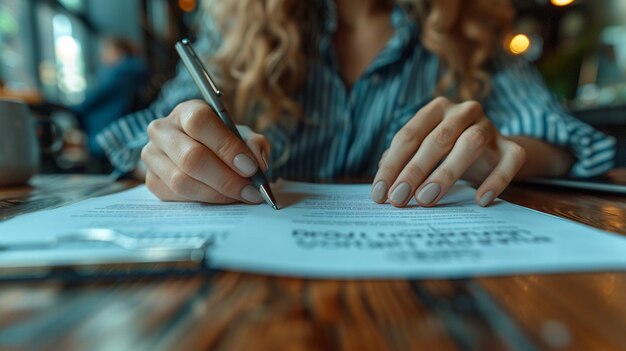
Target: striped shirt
(345,131)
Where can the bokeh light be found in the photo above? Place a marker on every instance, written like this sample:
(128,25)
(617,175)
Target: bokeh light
(519,44)
(561,2)
(187,5)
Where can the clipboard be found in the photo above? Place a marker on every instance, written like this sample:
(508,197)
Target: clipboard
(139,257)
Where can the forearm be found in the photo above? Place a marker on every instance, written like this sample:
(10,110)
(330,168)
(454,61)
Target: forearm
(543,159)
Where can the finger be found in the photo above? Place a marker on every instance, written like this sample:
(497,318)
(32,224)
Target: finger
(435,147)
(470,145)
(260,148)
(513,158)
(179,183)
(404,144)
(199,122)
(158,188)
(382,157)
(197,161)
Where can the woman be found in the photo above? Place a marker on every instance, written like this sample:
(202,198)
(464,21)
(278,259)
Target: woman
(416,94)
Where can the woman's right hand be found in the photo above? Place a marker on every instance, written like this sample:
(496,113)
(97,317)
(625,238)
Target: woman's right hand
(193,156)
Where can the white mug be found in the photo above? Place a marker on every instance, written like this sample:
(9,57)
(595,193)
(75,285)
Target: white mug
(19,146)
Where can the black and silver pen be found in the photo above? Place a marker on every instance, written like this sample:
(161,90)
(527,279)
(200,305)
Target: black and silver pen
(212,94)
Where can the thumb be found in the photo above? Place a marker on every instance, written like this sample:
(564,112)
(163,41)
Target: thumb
(258,144)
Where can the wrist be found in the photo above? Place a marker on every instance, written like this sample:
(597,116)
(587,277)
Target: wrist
(544,160)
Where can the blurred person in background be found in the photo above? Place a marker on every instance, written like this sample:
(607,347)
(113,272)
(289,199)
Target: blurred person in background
(118,86)
(414,94)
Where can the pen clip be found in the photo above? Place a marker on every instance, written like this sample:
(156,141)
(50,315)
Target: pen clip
(190,50)
(208,77)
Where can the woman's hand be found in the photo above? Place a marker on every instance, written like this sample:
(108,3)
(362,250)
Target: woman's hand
(192,156)
(442,143)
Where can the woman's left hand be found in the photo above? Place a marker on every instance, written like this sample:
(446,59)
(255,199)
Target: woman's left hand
(442,143)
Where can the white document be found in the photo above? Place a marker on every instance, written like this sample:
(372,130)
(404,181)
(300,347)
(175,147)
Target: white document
(337,231)
(332,231)
(135,213)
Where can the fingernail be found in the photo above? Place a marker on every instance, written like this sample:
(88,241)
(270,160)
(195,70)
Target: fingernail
(250,194)
(245,164)
(487,198)
(265,160)
(400,193)
(379,191)
(429,193)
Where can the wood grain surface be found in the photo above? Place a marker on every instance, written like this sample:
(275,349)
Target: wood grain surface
(237,311)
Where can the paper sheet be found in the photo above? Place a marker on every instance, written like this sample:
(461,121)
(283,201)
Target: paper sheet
(136,213)
(336,231)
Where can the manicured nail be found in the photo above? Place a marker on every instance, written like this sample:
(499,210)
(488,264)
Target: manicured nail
(265,160)
(379,191)
(245,164)
(429,193)
(250,194)
(487,198)
(400,194)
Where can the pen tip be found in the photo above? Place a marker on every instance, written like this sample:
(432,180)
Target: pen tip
(266,193)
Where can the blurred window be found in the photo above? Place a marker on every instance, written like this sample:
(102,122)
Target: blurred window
(62,37)
(16,51)
(44,46)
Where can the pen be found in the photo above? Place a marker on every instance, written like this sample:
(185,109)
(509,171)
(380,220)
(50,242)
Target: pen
(212,94)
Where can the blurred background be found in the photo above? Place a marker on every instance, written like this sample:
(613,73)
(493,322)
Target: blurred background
(62,55)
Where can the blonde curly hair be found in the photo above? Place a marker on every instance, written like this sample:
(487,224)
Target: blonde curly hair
(268,44)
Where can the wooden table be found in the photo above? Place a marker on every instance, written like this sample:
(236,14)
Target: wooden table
(230,310)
